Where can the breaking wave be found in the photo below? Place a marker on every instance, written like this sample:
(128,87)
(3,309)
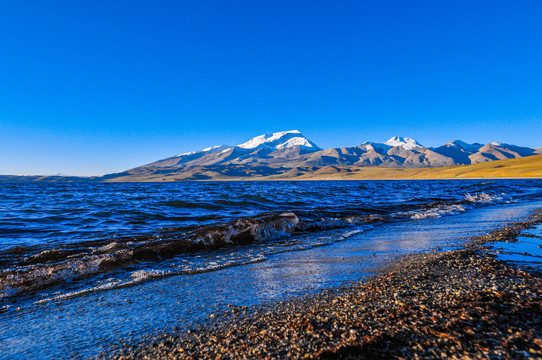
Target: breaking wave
(52,266)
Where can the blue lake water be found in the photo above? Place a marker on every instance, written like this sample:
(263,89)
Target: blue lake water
(83,265)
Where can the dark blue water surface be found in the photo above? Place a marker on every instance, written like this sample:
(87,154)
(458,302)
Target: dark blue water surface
(51,214)
(103,261)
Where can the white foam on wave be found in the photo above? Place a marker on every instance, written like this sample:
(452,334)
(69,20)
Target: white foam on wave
(334,223)
(454,209)
(483,197)
(439,211)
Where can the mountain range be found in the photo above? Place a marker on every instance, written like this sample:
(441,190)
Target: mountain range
(289,154)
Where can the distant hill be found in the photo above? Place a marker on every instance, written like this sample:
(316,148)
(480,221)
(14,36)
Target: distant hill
(289,154)
(526,167)
(46,178)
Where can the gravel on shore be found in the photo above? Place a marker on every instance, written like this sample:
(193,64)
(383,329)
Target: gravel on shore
(459,304)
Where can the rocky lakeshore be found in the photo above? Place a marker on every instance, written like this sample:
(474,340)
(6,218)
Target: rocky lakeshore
(455,304)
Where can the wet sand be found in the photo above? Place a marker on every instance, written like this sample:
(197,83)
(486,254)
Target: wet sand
(457,304)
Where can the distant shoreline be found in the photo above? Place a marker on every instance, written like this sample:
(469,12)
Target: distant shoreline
(529,167)
(2,181)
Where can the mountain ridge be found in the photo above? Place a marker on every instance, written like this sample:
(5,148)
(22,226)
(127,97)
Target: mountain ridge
(287,153)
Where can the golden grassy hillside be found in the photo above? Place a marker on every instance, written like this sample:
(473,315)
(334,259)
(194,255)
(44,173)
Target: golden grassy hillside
(526,167)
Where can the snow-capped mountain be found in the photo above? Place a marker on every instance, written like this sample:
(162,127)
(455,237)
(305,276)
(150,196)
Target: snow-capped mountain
(407,143)
(280,140)
(290,153)
(463,145)
(209,150)
(267,148)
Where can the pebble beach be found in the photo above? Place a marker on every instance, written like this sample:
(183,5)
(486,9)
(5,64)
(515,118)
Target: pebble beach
(458,304)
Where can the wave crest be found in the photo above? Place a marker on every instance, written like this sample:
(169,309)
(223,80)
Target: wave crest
(482,197)
(52,266)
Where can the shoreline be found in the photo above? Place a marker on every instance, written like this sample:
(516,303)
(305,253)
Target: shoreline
(459,303)
(319,179)
(527,167)
(261,179)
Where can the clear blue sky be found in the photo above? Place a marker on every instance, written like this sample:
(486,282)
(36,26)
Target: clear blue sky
(92,87)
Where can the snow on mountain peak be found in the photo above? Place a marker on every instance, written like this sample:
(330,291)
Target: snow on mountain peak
(216,148)
(407,143)
(280,140)
(465,146)
(208,150)
(369,145)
